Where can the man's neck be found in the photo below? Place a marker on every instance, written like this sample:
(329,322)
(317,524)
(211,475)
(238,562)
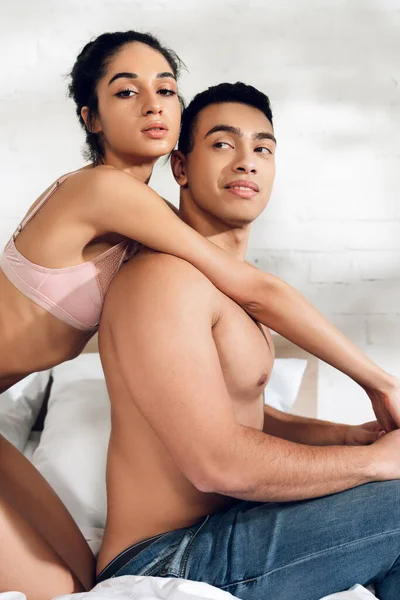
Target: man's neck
(232,239)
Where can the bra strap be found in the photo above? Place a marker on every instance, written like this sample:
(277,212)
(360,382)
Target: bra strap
(39,205)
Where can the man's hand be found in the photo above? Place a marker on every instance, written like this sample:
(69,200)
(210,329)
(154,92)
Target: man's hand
(362,435)
(386,405)
(386,457)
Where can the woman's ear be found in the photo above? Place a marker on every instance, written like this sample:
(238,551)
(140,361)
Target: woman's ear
(178,166)
(92,124)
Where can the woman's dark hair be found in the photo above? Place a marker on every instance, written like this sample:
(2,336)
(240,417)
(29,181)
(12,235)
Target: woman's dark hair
(90,67)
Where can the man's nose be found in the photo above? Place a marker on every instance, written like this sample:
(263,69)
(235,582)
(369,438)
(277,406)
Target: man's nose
(244,165)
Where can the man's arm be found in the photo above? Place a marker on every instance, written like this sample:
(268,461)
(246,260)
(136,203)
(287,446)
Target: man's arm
(315,432)
(161,312)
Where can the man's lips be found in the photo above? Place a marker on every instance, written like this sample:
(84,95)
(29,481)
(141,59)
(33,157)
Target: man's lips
(243,188)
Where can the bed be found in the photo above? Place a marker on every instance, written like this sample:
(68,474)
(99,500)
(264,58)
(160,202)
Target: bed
(61,422)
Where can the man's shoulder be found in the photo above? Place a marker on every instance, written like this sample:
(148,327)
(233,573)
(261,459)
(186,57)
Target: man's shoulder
(155,284)
(153,272)
(168,266)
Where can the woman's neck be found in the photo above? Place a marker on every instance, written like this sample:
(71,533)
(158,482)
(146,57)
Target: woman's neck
(140,168)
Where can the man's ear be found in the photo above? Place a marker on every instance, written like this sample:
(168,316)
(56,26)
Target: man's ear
(92,124)
(178,166)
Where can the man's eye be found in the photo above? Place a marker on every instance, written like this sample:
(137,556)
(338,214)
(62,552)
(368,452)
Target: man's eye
(263,150)
(125,93)
(222,145)
(167,92)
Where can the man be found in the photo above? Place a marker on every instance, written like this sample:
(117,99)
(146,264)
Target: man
(203,480)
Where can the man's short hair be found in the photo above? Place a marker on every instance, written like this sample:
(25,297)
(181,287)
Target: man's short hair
(219,94)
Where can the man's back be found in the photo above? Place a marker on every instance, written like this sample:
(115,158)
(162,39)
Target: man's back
(175,352)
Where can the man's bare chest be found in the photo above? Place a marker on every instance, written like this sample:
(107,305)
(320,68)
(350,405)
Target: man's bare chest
(245,351)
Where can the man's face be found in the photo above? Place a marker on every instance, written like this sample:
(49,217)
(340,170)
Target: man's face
(231,168)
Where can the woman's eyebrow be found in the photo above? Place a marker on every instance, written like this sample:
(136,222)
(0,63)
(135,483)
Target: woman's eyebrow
(165,74)
(126,75)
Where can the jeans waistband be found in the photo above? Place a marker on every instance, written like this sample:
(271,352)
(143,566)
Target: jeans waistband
(123,557)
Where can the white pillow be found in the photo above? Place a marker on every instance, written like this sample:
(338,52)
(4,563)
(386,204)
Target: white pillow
(20,406)
(357,592)
(31,444)
(73,447)
(284,384)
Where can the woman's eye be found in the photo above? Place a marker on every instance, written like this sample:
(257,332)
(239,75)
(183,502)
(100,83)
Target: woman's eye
(167,92)
(263,150)
(125,93)
(222,145)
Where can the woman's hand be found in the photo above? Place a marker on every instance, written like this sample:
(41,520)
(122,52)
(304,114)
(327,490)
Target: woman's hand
(386,405)
(362,435)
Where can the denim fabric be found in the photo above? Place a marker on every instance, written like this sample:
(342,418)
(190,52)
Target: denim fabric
(288,551)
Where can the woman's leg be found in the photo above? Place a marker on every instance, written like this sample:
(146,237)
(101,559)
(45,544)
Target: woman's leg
(23,488)
(27,563)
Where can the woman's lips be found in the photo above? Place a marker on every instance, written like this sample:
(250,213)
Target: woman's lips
(155,130)
(155,133)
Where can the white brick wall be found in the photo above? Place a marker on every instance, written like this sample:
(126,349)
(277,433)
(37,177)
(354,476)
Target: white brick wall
(331,69)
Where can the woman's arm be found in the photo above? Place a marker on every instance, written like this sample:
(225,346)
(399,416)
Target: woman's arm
(288,313)
(127,206)
(314,432)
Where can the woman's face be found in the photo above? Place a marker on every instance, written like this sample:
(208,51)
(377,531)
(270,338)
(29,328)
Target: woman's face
(138,108)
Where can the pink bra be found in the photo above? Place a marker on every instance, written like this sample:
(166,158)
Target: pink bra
(74,295)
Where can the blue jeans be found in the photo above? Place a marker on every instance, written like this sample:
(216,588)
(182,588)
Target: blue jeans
(287,551)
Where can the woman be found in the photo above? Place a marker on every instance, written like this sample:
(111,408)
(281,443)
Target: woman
(57,267)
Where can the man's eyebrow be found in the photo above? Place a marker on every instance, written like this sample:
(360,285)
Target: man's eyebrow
(261,135)
(226,128)
(264,135)
(126,75)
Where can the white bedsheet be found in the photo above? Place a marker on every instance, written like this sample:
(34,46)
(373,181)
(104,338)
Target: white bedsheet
(132,587)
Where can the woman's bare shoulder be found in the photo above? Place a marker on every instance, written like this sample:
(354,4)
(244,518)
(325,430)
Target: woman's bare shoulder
(113,200)
(105,175)
(103,186)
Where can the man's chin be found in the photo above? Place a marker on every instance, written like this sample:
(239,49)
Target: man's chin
(239,220)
